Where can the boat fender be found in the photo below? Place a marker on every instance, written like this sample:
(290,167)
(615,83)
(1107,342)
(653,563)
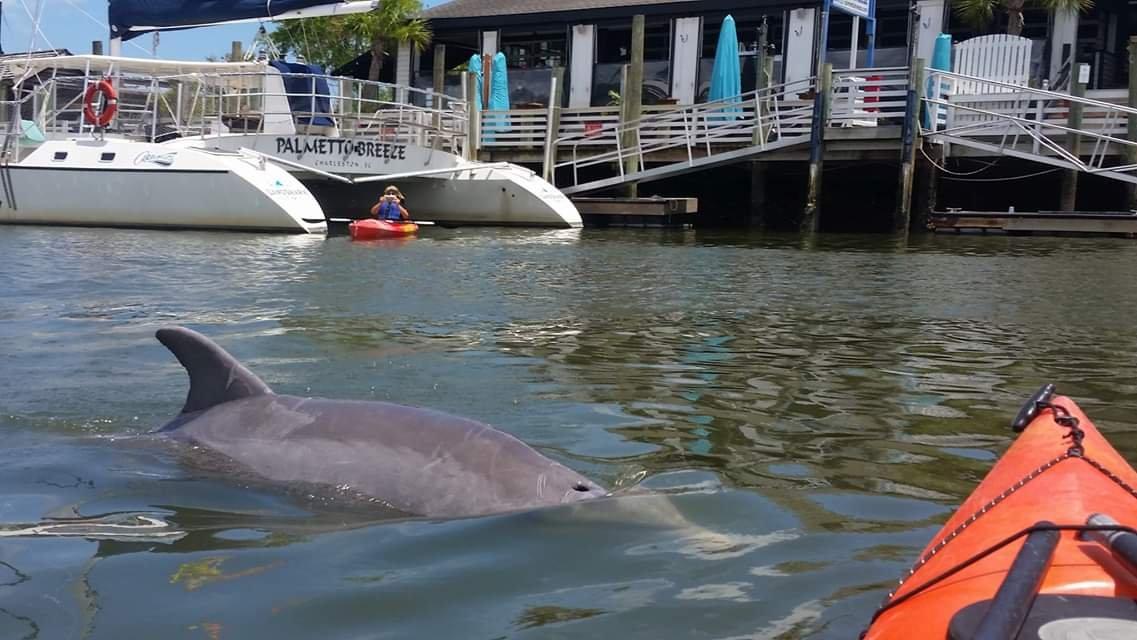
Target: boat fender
(1030,408)
(110,103)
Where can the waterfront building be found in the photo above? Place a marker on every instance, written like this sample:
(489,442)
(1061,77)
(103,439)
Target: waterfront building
(591,40)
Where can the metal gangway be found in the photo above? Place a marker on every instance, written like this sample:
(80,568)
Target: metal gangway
(672,140)
(707,135)
(1004,119)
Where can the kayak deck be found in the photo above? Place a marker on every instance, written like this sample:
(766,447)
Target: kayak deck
(1058,473)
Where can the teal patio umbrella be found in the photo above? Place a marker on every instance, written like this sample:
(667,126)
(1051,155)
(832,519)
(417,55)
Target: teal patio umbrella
(499,93)
(475,67)
(726,75)
(499,84)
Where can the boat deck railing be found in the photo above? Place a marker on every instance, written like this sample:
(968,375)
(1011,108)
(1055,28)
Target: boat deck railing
(158,107)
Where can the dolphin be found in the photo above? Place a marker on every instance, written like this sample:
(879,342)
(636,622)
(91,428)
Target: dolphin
(417,461)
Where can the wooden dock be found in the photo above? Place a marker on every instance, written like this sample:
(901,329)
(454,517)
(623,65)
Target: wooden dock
(1120,224)
(637,212)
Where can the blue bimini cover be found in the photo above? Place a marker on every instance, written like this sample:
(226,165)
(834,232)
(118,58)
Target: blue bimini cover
(307,94)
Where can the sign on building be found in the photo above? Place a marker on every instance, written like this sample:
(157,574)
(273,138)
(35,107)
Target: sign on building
(853,7)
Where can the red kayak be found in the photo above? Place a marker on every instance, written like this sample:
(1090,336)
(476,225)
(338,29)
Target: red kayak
(371,229)
(1044,548)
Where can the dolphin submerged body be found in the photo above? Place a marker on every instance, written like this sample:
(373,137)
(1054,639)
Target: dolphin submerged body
(418,461)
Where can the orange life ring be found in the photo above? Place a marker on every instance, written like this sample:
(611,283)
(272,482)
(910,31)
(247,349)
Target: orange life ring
(110,103)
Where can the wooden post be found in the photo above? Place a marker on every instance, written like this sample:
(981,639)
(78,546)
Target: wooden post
(928,177)
(758,194)
(97,47)
(632,100)
(809,218)
(1069,195)
(473,118)
(1132,151)
(909,144)
(760,81)
(235,54)
(487,79)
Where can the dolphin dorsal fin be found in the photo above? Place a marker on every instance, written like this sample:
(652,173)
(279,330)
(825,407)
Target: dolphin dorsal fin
(215,376)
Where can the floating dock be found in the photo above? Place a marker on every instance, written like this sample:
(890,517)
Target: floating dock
(1120,224)
(637,212)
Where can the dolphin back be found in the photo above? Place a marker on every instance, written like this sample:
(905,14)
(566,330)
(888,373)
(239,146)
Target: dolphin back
(215,376)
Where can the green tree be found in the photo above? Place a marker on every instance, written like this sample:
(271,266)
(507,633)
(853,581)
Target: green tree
(980,13)
(335,41)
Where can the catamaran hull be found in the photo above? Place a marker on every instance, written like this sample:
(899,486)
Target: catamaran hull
(477,194)
(154,186)
(498,201)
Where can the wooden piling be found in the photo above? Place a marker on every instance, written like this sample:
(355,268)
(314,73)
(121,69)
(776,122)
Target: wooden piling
(909,145)
(632,99)
(487,79)
(235,53)
(1069,194)
(760,80)
(1132,151)
(758,194)
(928,179)
(97,47)
(821,105)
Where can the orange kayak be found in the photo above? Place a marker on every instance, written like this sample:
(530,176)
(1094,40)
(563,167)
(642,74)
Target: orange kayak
(1022,558)
(371,229)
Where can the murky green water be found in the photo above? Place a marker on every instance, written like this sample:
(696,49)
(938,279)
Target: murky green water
(824,405)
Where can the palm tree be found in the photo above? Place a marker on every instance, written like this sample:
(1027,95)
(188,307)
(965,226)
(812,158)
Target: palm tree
(337,40)
(395,21)
(980,13)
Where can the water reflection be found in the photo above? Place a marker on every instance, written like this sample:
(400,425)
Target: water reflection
(812,409)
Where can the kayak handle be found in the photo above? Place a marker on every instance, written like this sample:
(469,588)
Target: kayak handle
(1013,600)
(1031,407)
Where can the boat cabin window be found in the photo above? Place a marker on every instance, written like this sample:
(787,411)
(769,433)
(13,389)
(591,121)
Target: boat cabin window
(59,155)
(106,157)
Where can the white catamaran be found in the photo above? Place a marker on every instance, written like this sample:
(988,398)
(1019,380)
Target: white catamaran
(252,145)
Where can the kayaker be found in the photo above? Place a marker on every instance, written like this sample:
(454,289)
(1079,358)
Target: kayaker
(390,206)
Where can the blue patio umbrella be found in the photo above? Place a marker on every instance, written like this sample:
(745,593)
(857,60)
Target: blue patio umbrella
(726,75)
(475,67)
(499,93)
(941,59)
(499,84)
